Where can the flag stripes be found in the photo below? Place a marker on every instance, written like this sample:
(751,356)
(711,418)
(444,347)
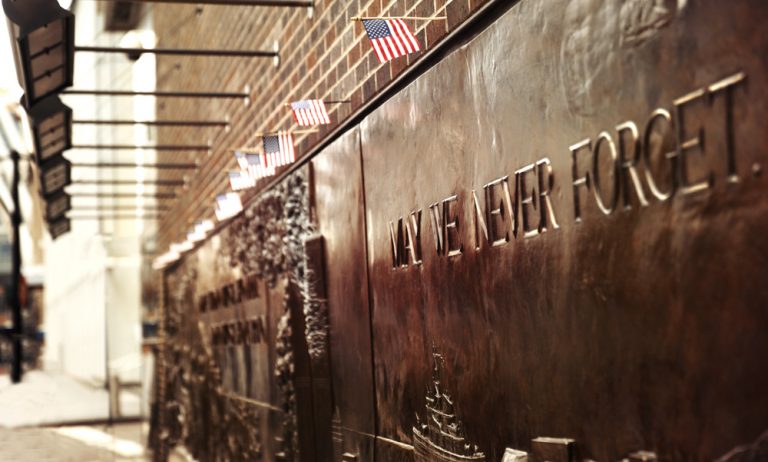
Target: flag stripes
(390,38)
(310,112)
(241,180)
(279,149)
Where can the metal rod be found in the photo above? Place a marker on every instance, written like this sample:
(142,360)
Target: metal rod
(159,123)
(180,51)
(272,3)
(131,182)
(415,18)
(158,147)
(116,208)
(113,217)
(160,166)
(15,297)
(167,94)
(121,195)
(328,101)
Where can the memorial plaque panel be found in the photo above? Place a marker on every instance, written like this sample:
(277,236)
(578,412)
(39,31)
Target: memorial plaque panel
(338,186)
(570,209)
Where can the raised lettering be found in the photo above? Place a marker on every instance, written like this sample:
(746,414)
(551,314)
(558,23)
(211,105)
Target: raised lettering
(495,213)
(451,239)
(511,204)
(437,227)
(726,87)
(628,164)
(413,237)
(685,145)
(578,181)
(648,147)
(546,183)
(397,239)
(480,225)
(605,138)
(526,198)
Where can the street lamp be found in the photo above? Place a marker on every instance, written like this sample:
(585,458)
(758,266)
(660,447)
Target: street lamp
(57,205)
(44,48)
(55,174)
(51,122)
(59,227)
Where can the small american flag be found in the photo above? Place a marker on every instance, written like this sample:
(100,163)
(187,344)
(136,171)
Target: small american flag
(257,166)
(242,160)
(227,205)
(279,149)
(310,112)
(240,180)
(390,38)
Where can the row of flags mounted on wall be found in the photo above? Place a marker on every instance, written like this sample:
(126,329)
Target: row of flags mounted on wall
(390,38)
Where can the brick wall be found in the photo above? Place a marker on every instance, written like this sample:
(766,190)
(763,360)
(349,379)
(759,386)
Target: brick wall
(324,56)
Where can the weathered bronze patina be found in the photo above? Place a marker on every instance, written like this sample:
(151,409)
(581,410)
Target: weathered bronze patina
(550,245)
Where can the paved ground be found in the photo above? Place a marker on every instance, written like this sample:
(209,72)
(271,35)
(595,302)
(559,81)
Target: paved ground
(75,444)
(51,398)
(34,416)
(119,443)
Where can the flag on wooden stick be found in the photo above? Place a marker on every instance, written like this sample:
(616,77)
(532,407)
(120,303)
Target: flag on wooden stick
(242,160)
(257,166)
(241,180)
(390,38)
(228,205)
(310,112)
(279,149)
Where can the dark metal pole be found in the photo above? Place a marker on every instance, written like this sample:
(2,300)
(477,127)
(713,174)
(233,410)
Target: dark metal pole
(272,3)
(181,51)
(131,182)
(117,208)
(177,166)
(113,217)
(120,195)
(168,94)
(14,296)
(159,147)
(158,123)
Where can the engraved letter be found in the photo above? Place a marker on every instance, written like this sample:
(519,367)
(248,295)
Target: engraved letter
(479,222)
(526,198)
(511,205)
(726,86)
(451,226)
(686,144)
(495,213)
(578,181)
(605,137)
(546,182)
(628,166)
(437,227)
(648,146)
(413,237)
(397,240)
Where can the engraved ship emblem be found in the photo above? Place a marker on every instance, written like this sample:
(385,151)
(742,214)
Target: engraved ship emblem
(440,437)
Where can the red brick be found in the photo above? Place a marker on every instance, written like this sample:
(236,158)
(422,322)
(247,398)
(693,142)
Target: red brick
(304,62)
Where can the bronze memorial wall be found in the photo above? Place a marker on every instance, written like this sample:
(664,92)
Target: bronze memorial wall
(549,245)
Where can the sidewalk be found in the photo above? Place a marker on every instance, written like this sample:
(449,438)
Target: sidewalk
(119,443)
(45,398)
